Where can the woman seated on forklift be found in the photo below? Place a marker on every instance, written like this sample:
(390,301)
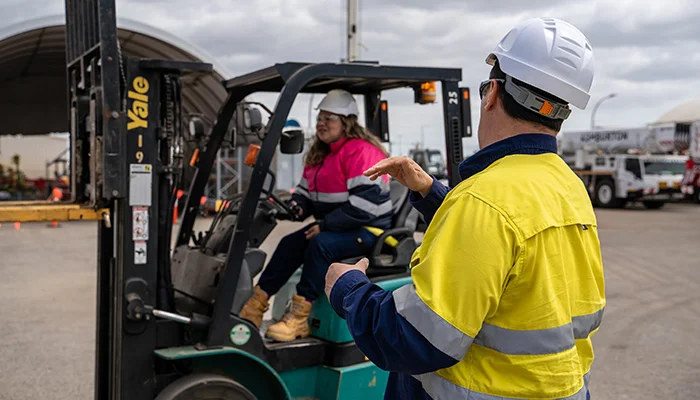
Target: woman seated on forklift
(342,200)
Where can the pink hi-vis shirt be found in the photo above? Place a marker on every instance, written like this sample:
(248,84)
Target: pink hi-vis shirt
(337,193)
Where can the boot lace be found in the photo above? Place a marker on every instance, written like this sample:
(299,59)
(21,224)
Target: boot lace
(292,309)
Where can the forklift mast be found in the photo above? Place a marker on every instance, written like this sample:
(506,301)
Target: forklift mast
(126,131)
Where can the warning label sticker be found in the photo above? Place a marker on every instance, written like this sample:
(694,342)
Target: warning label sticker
(140,223)
(140,184)
(140,252)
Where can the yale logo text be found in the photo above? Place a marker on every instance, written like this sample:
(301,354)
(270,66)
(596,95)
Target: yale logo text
(138,114)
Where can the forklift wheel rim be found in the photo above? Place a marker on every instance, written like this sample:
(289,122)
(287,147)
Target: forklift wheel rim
(185,387)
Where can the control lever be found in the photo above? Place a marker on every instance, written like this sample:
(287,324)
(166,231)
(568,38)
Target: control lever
(198,321)
(291,210)
(137,310)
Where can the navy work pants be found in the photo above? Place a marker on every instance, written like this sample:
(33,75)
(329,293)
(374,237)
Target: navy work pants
(316,255)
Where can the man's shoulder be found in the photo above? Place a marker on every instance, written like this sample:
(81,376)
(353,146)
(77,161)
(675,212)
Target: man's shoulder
(533,191)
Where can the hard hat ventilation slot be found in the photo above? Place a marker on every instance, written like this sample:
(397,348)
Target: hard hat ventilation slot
(566,61)
(572,41)
(570,51)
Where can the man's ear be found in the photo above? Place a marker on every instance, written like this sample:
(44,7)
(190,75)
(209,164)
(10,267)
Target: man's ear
(491,98)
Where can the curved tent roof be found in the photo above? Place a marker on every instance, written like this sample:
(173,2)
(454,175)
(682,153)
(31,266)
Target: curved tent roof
(682,113)
(32,72)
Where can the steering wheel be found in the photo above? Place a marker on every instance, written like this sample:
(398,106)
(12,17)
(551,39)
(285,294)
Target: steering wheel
(281,210)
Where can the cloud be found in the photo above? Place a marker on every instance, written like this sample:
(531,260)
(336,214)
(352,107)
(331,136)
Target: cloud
(644,53)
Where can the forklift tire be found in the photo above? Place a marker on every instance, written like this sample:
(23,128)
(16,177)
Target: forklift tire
(205,386)
(605,195)
(653,205)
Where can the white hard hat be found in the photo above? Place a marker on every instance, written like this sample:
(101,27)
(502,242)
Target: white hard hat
(551,55)
(340,102)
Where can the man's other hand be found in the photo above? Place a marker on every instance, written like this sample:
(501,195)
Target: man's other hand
(336,270)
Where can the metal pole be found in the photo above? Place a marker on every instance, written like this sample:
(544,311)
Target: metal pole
(422,135)
(352,30)
(595,108)
(218,175)
(240,169)
(311,103)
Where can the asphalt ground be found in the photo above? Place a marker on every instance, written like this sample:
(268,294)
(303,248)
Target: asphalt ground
(648,346)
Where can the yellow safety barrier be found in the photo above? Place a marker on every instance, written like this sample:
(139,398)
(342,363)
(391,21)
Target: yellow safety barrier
(43,212)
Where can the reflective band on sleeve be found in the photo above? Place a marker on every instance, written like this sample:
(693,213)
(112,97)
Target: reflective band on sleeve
(303,183)
(364,180)
(303,192)
(585,324)
(368,206)
(440,388)
(331,197)
(440,333)
(530,342)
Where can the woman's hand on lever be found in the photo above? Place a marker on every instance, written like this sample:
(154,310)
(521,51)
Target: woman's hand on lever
(406,171)
(296,208)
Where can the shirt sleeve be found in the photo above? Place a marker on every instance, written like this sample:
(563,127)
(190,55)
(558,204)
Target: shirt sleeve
(301,196)
(429,204)
(382,334)
(458,278)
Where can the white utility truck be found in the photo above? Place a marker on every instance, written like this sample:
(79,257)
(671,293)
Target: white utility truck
(626,165)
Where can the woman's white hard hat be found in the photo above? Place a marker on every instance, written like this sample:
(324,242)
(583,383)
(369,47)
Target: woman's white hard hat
(551,55)
(340,102)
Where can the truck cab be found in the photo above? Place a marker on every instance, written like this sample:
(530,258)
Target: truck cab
(614,180)
(431,161)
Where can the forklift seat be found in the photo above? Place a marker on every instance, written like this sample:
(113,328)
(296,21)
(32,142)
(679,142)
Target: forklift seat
(392,252)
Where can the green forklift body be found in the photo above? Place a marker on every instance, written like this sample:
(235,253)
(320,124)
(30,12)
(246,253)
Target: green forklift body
(364,380)
(361,381)
(327,325)
(252,372)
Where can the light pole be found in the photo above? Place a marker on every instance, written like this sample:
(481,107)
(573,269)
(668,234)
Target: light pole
(422,135)
(597,104)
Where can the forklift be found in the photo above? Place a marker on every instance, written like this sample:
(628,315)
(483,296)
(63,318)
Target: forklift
(167,324)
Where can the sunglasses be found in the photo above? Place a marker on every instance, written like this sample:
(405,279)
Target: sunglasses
(485,84)
(328,117)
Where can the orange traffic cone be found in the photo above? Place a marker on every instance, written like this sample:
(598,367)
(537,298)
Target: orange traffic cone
(17,226)
(56,196)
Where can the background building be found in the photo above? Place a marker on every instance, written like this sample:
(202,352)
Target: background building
(33,97)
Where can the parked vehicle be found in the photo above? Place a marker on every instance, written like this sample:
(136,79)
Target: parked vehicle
(627,165)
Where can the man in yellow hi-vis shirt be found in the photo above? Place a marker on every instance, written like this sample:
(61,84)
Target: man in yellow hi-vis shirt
(508,283)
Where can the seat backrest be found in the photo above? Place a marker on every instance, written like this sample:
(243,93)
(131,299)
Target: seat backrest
(401,205)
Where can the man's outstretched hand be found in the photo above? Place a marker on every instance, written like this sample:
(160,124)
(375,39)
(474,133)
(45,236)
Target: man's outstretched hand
(406,171)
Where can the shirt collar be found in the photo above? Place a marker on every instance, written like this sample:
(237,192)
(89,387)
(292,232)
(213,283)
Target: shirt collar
(526,143)
(335,146)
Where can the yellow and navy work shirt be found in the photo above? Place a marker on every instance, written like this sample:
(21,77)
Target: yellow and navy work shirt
(507,285)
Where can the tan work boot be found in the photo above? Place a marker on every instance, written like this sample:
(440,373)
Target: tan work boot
(255,307)
(294,323)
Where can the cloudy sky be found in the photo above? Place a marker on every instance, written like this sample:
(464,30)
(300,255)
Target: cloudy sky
(646,52)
